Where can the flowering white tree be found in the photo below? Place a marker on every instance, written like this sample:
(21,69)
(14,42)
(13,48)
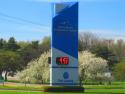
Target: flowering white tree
(91,67)
(37,70)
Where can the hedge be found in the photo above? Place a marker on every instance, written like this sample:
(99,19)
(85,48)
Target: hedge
(63,89)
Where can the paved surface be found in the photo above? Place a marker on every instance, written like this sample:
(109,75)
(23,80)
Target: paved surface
(20,90)
(21,84)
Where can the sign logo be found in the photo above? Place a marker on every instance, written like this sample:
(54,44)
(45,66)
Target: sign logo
(66,75)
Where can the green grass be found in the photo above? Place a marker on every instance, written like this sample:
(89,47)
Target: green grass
(89,89)
(106,91)
(19,92)
(118,83)
(94,91)
(103,83)
(32,88)
(104,86)
(14,81)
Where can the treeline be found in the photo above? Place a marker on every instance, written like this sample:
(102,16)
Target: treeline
(100,60)
(109,49)
(14,56)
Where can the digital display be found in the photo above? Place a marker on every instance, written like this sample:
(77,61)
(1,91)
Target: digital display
(62,60)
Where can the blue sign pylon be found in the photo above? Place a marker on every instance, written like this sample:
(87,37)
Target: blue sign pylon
(64,52)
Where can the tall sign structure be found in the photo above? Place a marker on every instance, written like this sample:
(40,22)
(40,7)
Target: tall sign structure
(64,53)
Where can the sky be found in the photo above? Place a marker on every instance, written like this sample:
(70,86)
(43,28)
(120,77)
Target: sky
(28,20)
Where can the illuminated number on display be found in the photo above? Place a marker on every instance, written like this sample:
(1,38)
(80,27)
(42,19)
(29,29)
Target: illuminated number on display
(62,60)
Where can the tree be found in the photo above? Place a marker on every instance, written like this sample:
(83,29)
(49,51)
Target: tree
(35,44)
(45,45)
(2,43)
(23,44)
(92,67)
(80,45)
(37,70)
(104,52)
(12,45)
(9,62)
(32,50)
(119,71)
(27,54)
(87,40)
(118,49)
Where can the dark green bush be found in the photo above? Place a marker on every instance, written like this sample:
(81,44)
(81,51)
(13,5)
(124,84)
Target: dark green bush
(63,89)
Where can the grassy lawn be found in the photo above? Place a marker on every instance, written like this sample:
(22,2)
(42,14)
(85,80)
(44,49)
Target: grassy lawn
(89,89)
(18,92)
(105,91)
(94,91)
(30,88)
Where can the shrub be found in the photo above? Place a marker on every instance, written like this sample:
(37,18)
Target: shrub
(63,89)
(119,71)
